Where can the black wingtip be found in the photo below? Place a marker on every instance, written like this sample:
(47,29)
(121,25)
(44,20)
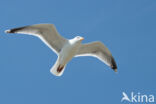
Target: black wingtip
(7,31)
(14,30)
(114,66)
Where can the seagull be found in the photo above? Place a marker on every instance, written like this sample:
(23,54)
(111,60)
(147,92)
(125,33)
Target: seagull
(64,48)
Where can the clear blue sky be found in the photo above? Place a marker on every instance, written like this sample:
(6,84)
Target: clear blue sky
(126,27)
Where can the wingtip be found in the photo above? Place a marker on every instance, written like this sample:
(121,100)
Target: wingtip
(114,66)
(7,31)
(14,30)
(115,70)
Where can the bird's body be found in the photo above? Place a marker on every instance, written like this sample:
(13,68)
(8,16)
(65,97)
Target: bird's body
(69,50)
(66,49)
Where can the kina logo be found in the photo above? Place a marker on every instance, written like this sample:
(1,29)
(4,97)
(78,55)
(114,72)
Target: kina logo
(137,98)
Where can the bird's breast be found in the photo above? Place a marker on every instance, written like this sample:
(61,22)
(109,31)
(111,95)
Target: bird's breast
(67,53)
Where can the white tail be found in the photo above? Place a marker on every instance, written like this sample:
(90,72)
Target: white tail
(57,69)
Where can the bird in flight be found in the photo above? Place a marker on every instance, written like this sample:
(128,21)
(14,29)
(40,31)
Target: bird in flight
(64,48)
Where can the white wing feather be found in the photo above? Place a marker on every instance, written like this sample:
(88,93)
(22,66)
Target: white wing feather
(46,32)
(97,49)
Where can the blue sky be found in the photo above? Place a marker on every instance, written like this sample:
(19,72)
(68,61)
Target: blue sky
(126,27)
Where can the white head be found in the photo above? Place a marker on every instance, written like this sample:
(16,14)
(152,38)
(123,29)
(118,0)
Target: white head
(78,39)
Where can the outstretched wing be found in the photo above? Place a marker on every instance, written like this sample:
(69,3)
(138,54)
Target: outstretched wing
(97,49)
(46,32)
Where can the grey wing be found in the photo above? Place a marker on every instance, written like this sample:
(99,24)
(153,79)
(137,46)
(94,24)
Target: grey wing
(46,32)
(99,50)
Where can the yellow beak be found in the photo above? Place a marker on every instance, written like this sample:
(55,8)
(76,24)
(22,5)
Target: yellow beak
(82,39)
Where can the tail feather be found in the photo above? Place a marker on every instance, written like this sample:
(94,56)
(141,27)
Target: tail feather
(57,69)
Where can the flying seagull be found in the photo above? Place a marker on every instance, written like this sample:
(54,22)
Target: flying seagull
(64,48)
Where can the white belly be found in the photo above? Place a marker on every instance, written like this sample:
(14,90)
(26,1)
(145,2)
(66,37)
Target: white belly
(67,53)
